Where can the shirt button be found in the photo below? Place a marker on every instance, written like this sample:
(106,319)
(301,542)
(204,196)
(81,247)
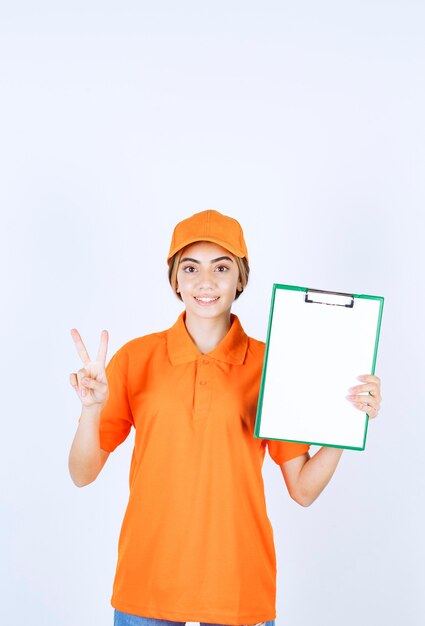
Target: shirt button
(205,361)
(202,382)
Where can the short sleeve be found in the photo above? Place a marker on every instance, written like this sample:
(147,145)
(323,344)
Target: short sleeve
(282,451)
(116,418)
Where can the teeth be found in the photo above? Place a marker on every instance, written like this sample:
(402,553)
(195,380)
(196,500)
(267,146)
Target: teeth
(206,299)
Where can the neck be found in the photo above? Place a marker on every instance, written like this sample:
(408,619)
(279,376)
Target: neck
(207,333)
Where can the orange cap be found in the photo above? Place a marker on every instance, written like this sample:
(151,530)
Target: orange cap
(209,226)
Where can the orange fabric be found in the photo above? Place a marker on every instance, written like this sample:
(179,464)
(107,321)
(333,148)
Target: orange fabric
(196,543)
(209,226)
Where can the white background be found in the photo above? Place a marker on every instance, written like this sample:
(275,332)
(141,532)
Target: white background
(305,121)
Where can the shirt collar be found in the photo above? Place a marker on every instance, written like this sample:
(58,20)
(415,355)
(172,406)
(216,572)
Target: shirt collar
(231,349)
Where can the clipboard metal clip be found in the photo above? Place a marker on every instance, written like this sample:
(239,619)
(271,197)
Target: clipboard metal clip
(335,298)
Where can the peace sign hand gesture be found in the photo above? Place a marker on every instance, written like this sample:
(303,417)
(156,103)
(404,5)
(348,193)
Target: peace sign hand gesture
(90,381)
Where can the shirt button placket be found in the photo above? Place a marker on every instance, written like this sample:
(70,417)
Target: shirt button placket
(203,388)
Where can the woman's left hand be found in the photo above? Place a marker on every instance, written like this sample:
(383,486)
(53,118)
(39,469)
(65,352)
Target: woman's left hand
(367,397)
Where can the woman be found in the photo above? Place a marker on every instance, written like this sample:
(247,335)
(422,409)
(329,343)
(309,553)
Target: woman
(196,543)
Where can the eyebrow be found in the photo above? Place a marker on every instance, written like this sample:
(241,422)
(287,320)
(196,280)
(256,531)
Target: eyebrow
(220,258)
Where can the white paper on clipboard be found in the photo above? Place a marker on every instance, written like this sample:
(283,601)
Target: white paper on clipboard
(318,343)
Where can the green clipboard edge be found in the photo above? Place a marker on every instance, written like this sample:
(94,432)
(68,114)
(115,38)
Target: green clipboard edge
(263,375)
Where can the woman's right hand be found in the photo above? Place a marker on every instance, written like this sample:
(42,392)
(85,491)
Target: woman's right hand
(90,382)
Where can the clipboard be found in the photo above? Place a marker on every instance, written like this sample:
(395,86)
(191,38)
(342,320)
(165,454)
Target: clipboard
(318,342)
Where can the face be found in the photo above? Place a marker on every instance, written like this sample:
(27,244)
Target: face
(207,280)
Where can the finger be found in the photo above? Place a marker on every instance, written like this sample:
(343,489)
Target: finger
(370,399)
(368,387)
(81,374)
(103,347)
(96,385)
(371,411)
(73,380)
(81,348)
(364,404)
(364,399)
(370,378)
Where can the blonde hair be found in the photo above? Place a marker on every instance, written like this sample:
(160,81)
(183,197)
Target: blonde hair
(173,266)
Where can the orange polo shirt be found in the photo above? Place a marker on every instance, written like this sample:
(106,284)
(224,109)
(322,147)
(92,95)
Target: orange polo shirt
(196,543)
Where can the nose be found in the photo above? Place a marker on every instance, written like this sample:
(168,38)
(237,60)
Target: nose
(206,279)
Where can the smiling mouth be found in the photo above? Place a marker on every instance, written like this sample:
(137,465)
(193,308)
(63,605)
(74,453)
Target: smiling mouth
(205,300)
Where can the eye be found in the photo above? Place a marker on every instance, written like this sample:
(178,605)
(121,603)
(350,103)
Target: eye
(221,268)
(189,269)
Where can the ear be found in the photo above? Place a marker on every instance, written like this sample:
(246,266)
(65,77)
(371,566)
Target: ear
(239,285)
